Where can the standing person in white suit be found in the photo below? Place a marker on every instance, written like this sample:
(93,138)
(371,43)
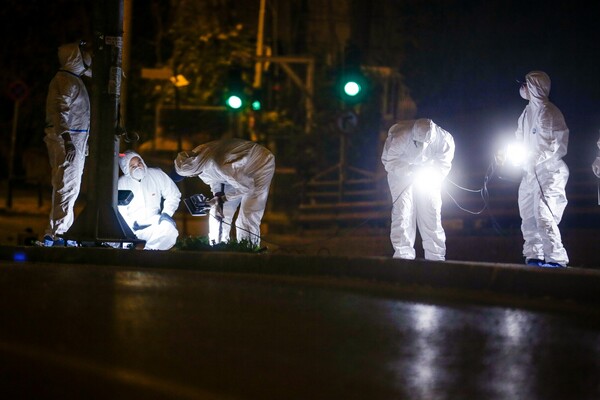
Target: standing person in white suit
(543,132)
(155,200)
(417,156)
(239,173)
(596,163)
(66,136)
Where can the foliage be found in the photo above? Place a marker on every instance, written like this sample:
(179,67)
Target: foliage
(202,243)
(207,39)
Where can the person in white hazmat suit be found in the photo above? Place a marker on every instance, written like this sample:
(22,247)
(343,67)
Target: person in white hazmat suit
(66,136)
(239,173)
(417,156)
(596,163)
(542,130)
(144,215)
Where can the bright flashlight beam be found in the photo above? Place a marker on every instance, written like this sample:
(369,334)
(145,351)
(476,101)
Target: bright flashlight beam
(516,154)
(427,178)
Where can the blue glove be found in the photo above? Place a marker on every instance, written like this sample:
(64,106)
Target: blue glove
(166,217)
(175,176)
(138,227)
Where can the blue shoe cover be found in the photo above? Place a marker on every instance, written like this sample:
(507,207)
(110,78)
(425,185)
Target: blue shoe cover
(536,262)
(48,241)
(552,265)
(59,242)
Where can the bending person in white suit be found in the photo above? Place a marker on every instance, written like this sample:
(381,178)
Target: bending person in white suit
(239,173)
(417,156)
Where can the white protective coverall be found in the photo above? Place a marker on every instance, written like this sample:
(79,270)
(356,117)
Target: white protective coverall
(542,197)
(596,163)
(417,156)
(67,121)
(246,170)
(143,213)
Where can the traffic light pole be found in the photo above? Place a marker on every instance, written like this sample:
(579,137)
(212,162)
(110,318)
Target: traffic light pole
(346,124)
(100,220)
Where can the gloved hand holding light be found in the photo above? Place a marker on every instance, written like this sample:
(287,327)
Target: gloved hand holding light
(515,154)
(426,177)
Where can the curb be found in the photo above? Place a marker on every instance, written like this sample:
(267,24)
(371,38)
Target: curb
(483,282)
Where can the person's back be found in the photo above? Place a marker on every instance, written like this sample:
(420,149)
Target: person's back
(240,172)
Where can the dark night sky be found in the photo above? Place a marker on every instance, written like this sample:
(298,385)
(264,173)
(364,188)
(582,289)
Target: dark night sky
(472,56)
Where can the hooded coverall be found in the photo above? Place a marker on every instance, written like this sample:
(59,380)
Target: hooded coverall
(143,213)
(596,163)
(67,118)
(245,169)
(411,147)
(542,197)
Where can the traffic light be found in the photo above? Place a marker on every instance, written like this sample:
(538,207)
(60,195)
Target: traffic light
(256,102)
(353,86)
(234,101)
(352,83)
(235,98)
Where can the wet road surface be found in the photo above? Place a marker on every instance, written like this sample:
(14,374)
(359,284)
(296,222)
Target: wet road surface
(73,331)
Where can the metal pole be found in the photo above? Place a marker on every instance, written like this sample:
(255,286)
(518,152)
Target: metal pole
(259,45)
(127,7)
(11,158)
(100,220)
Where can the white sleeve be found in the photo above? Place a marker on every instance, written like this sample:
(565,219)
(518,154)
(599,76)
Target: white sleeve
(170,192)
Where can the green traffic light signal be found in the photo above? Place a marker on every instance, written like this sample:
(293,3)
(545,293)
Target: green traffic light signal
(234,102)
(352,88)
(256,106)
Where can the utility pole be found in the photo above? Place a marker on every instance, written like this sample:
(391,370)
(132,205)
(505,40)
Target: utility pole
(100,220)
(259,46)
(127,30)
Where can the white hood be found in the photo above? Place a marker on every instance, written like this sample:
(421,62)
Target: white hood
(125,158)
(70,58)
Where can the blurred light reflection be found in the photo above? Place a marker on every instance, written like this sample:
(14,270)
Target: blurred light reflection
(424,369)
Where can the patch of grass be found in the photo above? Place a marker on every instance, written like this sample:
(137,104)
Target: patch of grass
(202,243)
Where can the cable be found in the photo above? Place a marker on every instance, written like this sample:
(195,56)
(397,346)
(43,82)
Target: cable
(483,192)
(484,195)
(310,243)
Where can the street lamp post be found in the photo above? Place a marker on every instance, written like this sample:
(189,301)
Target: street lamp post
(100,220)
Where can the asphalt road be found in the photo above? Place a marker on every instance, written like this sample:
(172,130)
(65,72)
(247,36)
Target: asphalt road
(75,331)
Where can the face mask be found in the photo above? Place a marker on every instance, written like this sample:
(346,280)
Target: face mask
(524,92)
(87,64)
(87,72)
(138,173)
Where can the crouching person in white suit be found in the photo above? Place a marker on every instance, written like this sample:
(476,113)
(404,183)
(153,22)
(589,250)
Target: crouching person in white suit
(147,218)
